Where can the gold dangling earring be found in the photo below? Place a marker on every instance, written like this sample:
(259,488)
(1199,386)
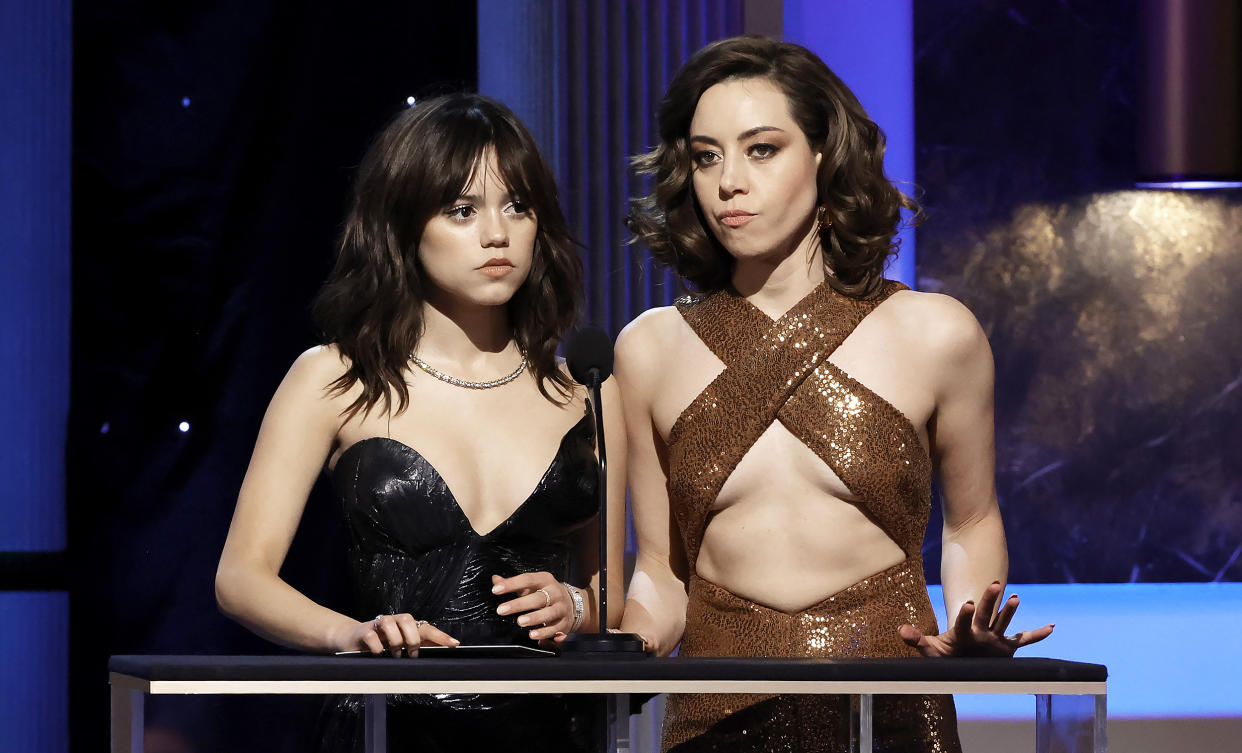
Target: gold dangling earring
(819,219)
(820,226)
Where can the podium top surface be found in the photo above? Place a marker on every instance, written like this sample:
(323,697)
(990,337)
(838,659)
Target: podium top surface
(209,668)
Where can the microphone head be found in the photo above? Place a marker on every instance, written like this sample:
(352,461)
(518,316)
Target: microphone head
(589,349)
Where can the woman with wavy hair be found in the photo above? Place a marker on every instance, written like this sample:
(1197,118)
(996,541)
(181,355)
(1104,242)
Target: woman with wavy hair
(785,419)
(462,453)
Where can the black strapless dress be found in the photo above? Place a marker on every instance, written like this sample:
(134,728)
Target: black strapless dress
(413,550)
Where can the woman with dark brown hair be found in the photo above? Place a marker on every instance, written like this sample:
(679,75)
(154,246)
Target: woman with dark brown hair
(437,405)
(785,420)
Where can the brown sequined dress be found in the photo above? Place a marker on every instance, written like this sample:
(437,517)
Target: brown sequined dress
(779,371)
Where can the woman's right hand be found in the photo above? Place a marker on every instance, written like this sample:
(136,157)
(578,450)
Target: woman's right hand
(394,633)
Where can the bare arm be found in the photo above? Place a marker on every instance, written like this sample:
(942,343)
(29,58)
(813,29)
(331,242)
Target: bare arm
(297,434)
(656,603)
(963,445)
(975,561)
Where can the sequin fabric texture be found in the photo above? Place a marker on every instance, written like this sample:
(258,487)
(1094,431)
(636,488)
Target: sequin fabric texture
(778,371)
(414,550)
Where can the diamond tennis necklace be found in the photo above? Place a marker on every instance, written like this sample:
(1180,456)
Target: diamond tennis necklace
(462,382)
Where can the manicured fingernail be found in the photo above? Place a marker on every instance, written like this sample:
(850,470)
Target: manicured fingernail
(522,620)
(456,642)
(970,603)
(498,589)
(559,634)
(532,635)
(502,609)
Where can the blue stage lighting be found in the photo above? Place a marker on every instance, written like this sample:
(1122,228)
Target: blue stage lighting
(1156,669)
(1188,185)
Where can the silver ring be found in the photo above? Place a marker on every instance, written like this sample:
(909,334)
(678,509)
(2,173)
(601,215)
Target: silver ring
(547,597)
(418,624)
(378,617)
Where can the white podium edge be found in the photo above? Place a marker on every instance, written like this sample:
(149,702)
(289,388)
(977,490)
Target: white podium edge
(816,687)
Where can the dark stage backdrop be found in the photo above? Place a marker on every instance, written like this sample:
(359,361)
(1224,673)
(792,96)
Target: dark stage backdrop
(212,150)
(213,144)
(587,77)
(1112,312)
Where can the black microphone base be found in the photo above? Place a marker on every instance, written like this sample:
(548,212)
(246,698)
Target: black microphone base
(604,645)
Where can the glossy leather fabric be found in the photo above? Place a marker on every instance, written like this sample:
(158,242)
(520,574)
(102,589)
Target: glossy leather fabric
(413,550)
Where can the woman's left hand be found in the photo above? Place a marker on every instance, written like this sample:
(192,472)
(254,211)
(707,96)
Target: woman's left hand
(548,608)
(977,631)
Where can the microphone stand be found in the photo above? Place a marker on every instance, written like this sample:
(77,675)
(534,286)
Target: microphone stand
(602,644)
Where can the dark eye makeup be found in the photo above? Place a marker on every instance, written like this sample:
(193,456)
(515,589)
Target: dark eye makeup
(704,157)
(762,150)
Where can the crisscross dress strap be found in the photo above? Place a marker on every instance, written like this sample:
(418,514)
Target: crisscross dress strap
(773,371)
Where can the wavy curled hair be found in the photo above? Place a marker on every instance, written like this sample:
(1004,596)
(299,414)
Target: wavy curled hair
(863,206)
(371,304)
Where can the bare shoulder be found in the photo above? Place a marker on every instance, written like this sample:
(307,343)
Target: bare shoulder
(937,325)
(647,340)
(318,366)
(311,378)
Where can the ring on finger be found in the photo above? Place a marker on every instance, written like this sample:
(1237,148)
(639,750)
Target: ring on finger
(378,618)
(546,596)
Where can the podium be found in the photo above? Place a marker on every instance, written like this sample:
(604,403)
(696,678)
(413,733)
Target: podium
(1070,697)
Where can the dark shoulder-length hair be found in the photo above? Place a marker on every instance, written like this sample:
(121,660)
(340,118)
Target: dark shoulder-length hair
(371,304)
(863,206)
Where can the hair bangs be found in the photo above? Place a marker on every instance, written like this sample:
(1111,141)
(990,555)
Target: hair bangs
(523,171)
(466,135)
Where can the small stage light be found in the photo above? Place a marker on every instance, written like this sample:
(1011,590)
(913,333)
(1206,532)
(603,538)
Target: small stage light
(1188,185)
(184,426)
(185,101)
(411,101)
(1189,104)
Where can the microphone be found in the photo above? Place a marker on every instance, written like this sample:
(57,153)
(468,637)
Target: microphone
(588,355)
